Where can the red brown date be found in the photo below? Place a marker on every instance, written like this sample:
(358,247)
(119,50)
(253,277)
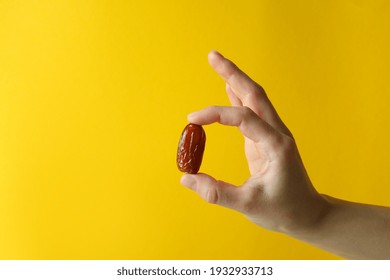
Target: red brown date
(191,148)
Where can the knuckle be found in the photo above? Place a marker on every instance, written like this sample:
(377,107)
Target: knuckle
(287,148)
(278,143)
(247,116)
(211,195)
(257,89)
(289,144)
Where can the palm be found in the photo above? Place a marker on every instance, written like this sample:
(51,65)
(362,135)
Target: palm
(257,161)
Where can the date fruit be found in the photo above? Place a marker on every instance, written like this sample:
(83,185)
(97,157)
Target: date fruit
(191,148)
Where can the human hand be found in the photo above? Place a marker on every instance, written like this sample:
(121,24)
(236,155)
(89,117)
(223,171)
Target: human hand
(279,194)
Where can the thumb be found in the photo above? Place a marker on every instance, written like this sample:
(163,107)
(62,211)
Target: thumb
(215,191)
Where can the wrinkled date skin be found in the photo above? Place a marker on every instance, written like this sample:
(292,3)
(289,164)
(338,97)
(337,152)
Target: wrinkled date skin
(191,148)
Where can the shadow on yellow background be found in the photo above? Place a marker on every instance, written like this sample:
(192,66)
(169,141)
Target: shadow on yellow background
(94,96)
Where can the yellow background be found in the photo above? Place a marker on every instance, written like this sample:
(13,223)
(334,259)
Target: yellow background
(94,96)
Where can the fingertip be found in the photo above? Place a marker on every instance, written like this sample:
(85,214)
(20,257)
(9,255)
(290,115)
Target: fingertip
(213,56)
(192,117)
(188,181)
(214,52)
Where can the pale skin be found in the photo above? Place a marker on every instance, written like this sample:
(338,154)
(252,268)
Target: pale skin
(279,195)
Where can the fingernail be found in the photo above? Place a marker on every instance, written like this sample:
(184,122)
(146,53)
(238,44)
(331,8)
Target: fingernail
(188,181)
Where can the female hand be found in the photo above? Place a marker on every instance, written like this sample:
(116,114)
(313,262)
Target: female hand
(278,195)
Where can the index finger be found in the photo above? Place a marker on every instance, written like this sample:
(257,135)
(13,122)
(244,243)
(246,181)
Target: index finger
(250,124)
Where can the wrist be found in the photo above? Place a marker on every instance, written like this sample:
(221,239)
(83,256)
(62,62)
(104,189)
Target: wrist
(313,216)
